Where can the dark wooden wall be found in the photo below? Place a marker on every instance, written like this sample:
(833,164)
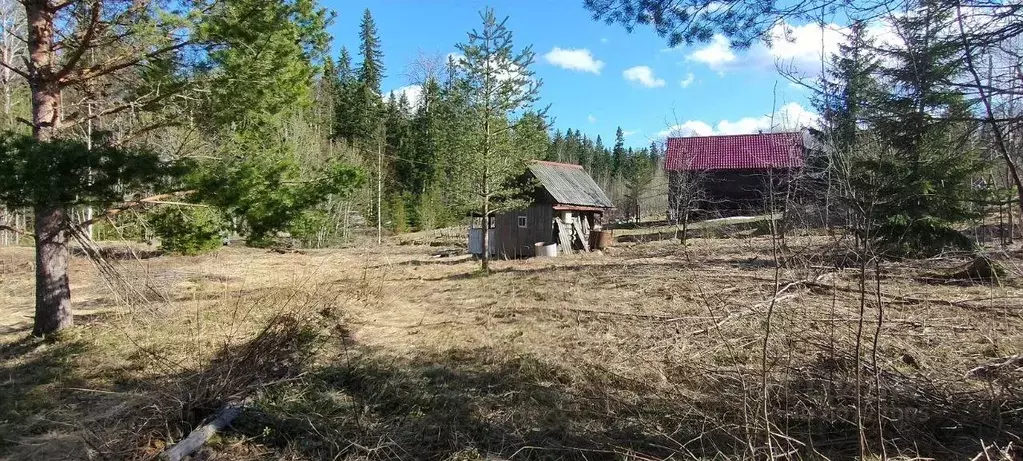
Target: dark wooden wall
(512,241)
(731,191)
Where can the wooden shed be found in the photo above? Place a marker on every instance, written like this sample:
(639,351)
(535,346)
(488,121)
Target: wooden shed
(732,172)
(567,207)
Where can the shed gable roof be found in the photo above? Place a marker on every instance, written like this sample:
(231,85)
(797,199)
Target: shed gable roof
(734,152)
(569,184)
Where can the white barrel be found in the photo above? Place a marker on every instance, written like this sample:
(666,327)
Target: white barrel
(551,250)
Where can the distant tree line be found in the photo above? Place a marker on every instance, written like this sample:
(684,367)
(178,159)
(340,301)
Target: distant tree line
(421,143)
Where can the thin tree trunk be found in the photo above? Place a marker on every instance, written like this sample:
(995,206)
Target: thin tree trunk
(380,185)
(985,99)
(88,145)
(53,292)
(486,161)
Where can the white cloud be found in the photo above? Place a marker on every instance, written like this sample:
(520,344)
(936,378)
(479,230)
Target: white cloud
(791,116)
(414,94)
(627,133)
(717,54)
(688,80)
(604,40)
(643,75)
(590,118)
(797,49)
(688,128)
(574,59)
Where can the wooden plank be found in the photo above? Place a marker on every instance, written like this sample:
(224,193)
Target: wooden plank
(578,227)
(586,231)
(564,236)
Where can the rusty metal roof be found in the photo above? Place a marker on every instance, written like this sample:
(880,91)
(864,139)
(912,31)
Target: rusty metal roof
(569,184)
(735,152)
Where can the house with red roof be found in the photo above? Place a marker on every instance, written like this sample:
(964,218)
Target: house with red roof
(730,172)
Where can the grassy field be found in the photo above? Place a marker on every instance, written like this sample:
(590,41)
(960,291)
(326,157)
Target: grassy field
(647,351)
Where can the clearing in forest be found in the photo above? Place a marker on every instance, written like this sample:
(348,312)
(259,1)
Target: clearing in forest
(647,350)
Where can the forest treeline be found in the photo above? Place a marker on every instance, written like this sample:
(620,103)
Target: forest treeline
(420,141)
(281,116)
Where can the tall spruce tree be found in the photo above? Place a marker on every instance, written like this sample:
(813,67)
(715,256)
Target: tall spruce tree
(345,103)
(368,102)
(849,87)
(920,181)
(618,153)
(498,82)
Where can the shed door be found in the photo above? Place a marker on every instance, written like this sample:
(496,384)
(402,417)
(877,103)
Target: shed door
(476,241)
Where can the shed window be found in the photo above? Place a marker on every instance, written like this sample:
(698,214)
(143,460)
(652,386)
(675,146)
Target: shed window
(523,222)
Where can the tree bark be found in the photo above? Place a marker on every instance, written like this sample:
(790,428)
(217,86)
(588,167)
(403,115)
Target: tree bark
(53,291)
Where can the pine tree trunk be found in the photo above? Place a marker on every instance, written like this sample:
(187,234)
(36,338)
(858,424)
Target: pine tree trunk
(53,292)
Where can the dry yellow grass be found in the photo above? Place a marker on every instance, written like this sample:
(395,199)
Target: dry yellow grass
(646,351)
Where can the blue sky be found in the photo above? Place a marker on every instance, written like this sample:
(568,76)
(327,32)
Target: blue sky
(604,77)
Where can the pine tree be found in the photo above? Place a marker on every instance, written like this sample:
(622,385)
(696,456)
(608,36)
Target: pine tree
(455,127)
(420,175)
(326,97)
(586,153)
(372,68)
(599,162)
(638,174)
(655,153)
(530,137)
(556,147)
(498,82)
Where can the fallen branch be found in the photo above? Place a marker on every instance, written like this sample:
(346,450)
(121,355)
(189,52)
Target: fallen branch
(665,317)
(989,370)
(133,204)
(777,297)
(202,434)
(964,304)
(737,315)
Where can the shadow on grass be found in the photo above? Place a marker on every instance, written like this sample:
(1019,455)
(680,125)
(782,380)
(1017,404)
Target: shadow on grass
(479,404)
(444,261)
(618,267)
(31,371)
(71,398)
(464,405)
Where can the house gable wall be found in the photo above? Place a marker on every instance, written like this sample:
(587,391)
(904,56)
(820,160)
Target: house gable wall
(512,241)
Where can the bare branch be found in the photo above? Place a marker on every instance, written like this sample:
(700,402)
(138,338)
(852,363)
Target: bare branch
(12,229)
(85,44)
(132,204)
(112,65)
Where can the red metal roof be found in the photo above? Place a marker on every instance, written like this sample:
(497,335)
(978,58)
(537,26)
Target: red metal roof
(735,152)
